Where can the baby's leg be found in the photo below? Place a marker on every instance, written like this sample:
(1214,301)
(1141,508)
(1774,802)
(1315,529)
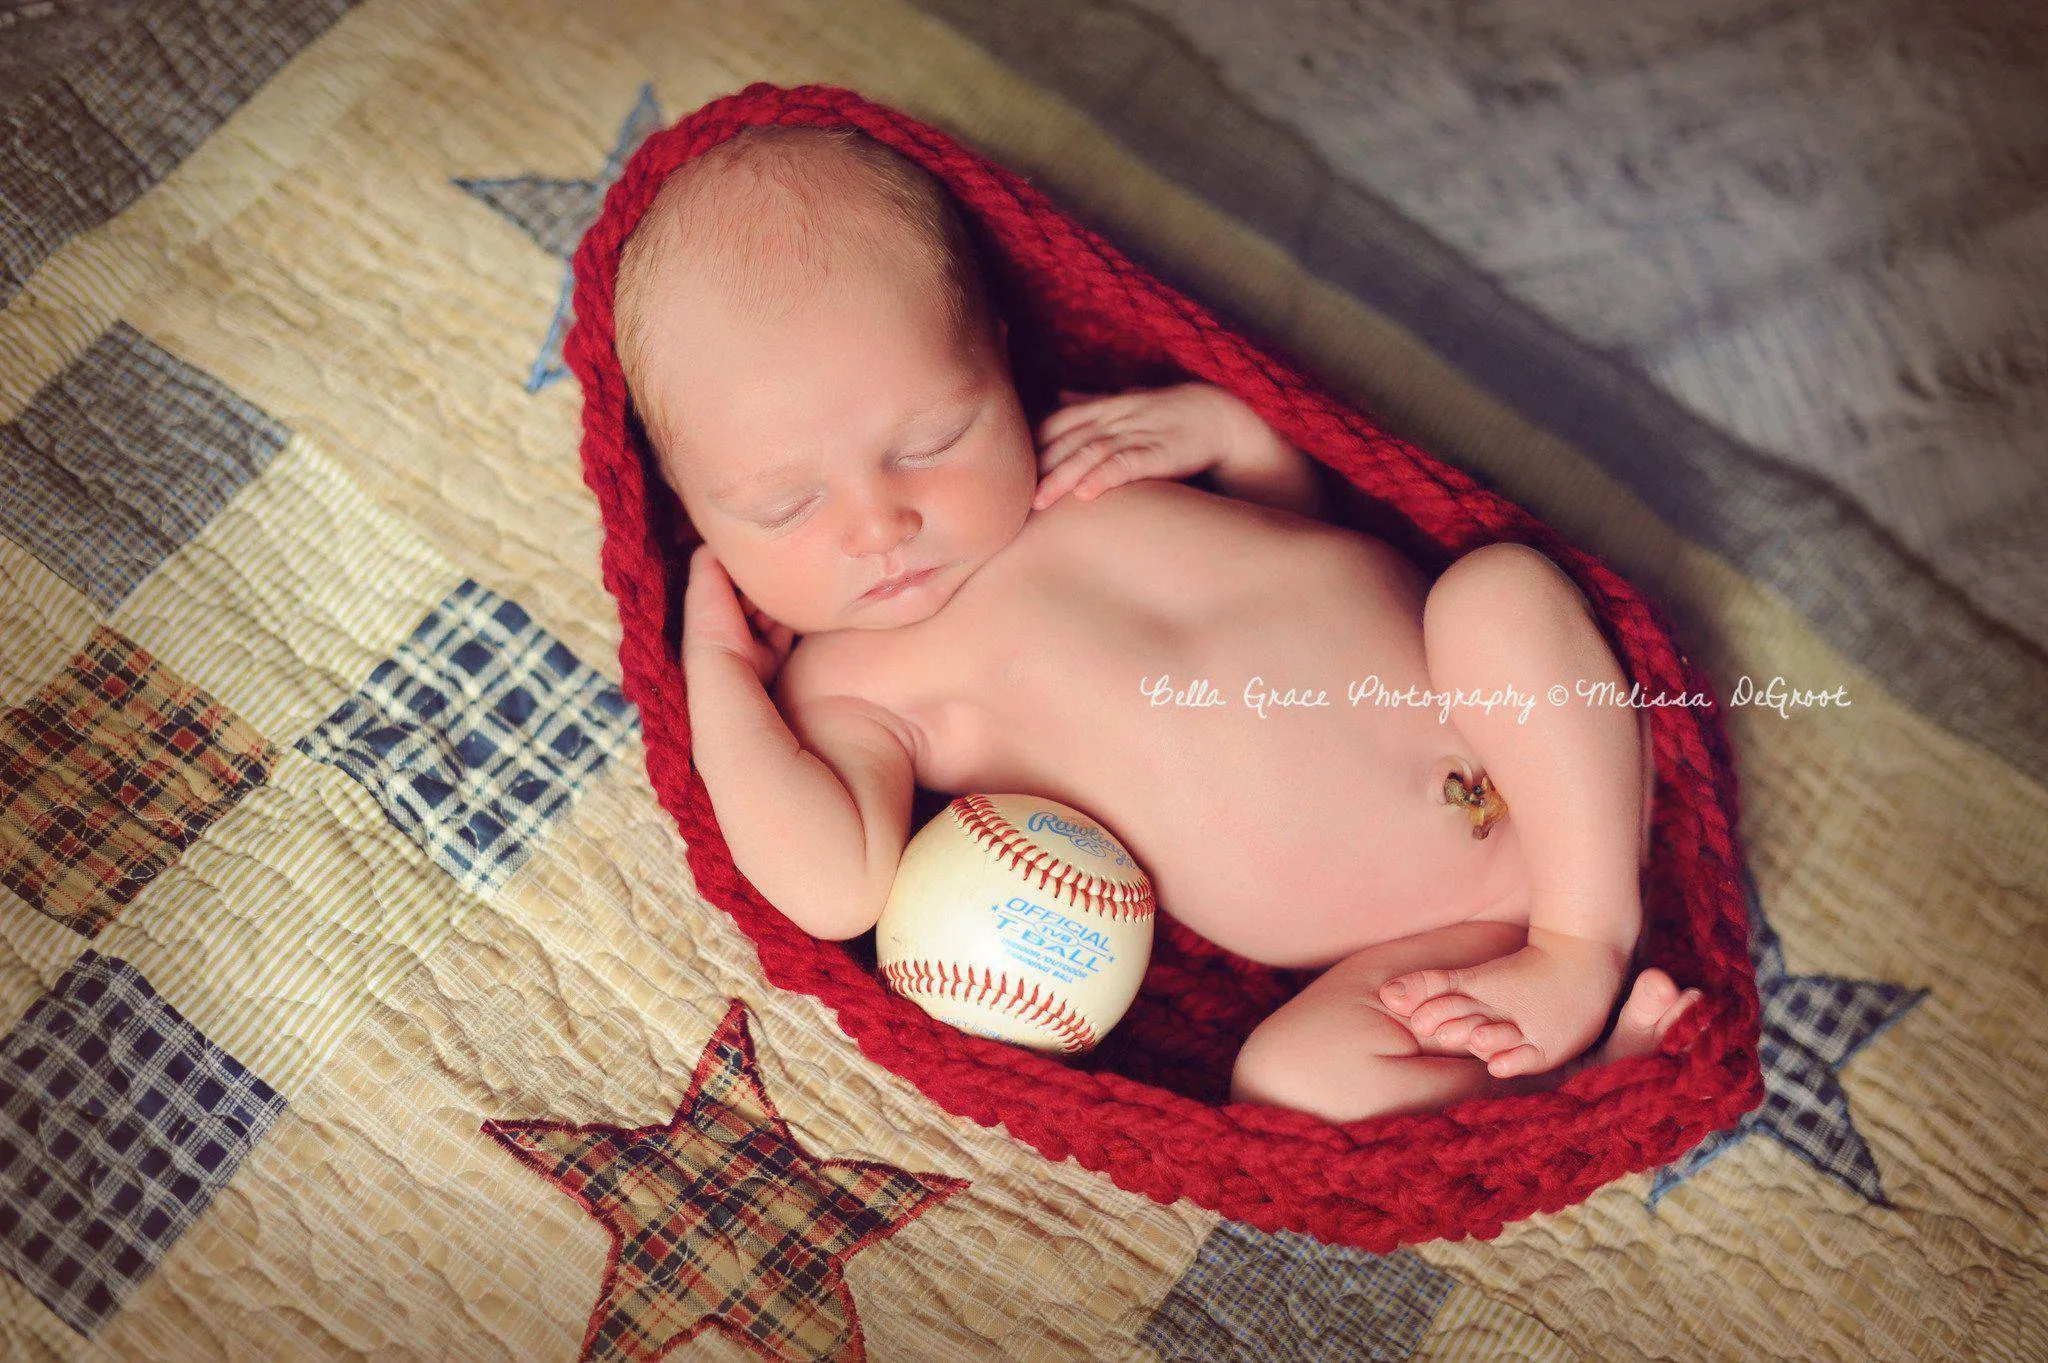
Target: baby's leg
(1572,776)
(1333,1051)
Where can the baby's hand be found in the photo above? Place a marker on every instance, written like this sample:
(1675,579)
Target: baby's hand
(1092,444)
(718,615)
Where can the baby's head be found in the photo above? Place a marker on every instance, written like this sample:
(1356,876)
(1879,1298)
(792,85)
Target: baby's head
(808,342)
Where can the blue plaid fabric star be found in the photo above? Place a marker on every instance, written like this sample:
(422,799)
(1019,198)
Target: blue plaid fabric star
(1812,1025)
(555,213)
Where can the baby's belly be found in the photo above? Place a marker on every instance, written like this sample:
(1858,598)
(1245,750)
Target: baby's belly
(1298,849)
(1293,837)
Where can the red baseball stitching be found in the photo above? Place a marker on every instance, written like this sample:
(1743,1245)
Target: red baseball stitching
(1061,878)
(971,984)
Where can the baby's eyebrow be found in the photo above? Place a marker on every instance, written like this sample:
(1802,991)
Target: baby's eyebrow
(725,491)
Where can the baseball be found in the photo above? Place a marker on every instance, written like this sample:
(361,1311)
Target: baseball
(1018,918)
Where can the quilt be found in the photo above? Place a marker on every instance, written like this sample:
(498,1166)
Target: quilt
(355,995)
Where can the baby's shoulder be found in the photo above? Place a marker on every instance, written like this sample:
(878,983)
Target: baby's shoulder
(820,665)
(864,665)
(1152,507)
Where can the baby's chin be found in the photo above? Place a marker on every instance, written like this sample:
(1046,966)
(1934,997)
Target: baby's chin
(894,613)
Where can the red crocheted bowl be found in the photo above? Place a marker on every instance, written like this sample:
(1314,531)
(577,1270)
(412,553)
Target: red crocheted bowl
(1148,1107)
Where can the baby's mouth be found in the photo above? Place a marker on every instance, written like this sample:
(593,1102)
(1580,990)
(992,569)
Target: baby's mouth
(898,585)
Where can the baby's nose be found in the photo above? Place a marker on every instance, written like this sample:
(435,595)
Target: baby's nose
(880,526)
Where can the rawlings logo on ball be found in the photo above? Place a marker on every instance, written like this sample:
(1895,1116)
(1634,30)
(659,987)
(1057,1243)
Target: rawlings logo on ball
(1085,836)
(1018,918)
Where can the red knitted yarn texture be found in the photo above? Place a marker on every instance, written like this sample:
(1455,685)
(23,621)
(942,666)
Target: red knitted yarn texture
(1148,1107)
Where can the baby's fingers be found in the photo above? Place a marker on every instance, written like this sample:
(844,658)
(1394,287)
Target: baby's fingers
(1121,465)
(1076,410)
(780,642)
(1062,477)
(1056,448)
(709,606)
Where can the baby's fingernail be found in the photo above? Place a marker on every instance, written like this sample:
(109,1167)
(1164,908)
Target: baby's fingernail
(1397,990)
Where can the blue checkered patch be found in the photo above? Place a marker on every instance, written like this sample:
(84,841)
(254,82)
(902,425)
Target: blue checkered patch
(476,733)
(119,1122)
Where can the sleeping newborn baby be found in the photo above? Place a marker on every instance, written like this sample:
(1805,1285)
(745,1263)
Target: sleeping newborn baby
(1144,609)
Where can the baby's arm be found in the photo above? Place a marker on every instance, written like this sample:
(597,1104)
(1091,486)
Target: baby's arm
(815,808)
(1264,469)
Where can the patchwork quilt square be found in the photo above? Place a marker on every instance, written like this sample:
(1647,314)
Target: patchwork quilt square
(476,733)
(1250,1295)
(110,772)
(164,83)
(119,1122)
(97,132)
(124,457)
(63,171)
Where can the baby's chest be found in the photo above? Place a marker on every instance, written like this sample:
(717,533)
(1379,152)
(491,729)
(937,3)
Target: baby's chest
(1077,688)
(1032,678)
(1053,661)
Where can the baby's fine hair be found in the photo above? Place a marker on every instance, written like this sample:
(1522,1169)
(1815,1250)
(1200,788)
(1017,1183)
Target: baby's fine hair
(764,214)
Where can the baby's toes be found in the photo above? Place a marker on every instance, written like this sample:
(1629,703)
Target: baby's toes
(1404,993)
(1442,1009)
(1456,1034)
(1491,1039)
(1523,1059)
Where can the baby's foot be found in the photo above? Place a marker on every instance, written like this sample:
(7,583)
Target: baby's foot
(1522,1013)
(1654,1004)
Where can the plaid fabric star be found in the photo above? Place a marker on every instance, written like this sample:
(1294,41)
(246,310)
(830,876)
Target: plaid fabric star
(555,213)
(1812,1026)
(720,1218)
